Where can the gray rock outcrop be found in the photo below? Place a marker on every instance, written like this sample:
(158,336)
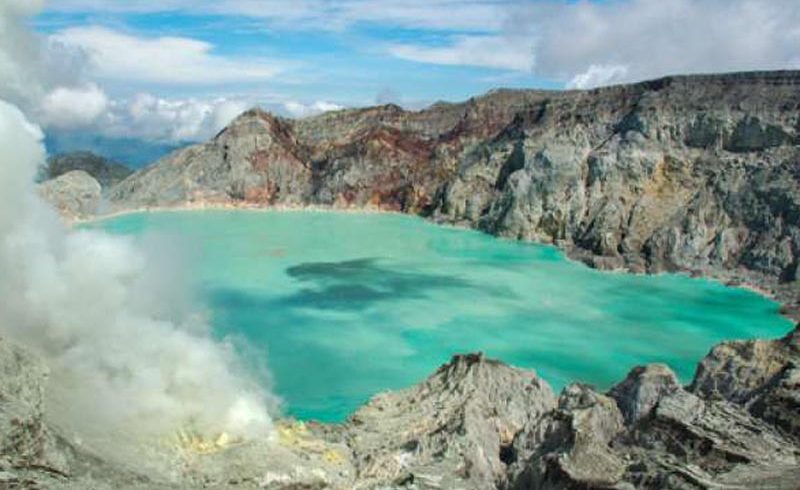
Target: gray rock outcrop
(451,431)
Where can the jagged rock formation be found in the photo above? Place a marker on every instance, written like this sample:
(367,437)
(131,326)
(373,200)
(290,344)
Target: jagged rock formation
(105,171)
(451,431)
(74,194)
(693,173)
(474,424)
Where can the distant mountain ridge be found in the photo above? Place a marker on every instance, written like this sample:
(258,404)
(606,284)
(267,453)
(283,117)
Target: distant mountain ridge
(134,152)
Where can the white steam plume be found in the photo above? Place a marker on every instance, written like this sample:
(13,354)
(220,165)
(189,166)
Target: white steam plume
(126,366)
(129,362)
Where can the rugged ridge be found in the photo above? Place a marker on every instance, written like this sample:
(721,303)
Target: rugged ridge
(474,424)
(688,173)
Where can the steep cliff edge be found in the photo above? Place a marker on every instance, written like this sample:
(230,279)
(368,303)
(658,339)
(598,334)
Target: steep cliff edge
(474,424)
(694,173)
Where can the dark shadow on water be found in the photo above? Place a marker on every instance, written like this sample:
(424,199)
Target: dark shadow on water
(336,297)
(358,284)
(348,286)
(343,270)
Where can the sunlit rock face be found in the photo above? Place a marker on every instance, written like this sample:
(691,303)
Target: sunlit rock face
(683,173)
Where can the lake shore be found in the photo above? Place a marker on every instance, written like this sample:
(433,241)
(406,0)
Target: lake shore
(736,279)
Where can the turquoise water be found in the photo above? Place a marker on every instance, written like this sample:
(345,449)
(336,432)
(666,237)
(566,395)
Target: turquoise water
(344,306)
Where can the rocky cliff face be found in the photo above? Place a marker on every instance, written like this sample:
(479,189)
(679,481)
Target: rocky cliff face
(474,424)
(694,173)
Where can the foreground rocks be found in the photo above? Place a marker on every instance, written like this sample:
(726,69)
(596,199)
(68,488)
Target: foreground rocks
(693,173)
(474,424)
(455,430)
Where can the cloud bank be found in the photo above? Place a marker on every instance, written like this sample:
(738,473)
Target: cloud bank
(585,44)
(114,55)
(150,118)
(54,79)
(73,107)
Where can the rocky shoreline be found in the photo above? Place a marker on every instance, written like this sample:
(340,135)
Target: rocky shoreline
(785,295)
(474,424)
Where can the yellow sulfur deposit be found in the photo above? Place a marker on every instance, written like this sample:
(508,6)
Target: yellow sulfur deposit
(296,435)
(193,442)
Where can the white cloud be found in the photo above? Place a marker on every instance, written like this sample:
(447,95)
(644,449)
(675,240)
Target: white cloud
(49,80)
(24,74)
(73,107)
(469,15)
(486,51)
(23,7)
(115,55)
(598,75)
(152,118)
(652,38)
(299,109)
(591,43)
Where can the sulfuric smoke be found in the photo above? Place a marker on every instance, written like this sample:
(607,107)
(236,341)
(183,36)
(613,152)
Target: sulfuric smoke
(127,366)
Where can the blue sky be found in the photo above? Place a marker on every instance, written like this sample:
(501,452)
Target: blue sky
(347,65)
(169,71)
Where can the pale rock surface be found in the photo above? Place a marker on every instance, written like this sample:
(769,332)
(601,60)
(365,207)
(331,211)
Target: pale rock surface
(74,194)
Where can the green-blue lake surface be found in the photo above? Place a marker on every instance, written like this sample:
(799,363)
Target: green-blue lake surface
(344,306)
